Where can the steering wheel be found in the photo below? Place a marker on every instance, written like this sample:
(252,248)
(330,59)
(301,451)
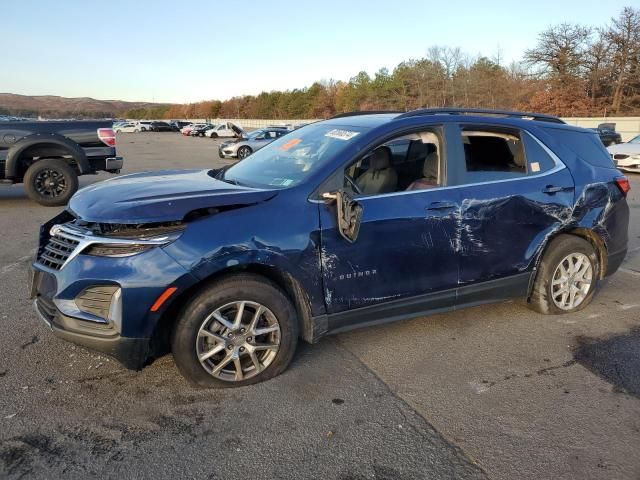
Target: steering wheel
(353,184)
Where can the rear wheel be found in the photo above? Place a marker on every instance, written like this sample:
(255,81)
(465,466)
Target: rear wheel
(567,276)
(237,331)
(244,152)
(51,182)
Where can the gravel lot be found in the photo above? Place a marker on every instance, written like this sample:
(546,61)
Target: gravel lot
(489,392)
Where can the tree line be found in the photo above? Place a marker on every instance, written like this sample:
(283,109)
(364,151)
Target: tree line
(572,70)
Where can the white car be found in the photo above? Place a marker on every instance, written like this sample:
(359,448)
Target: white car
(626,156)
(127,128)
(228,129)
(144,125)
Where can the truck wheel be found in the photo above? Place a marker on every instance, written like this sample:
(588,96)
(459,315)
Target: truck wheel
(567,276)
(51,182)
(237,331)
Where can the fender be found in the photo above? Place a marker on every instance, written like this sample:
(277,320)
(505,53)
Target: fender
(73,149)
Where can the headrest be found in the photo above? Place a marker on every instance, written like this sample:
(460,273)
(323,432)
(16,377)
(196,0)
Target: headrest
(430,168)
(380,158)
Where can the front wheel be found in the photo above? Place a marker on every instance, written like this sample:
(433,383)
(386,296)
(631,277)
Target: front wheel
(567,276)
(238,331)
(51,182)
(244,152)
(214,135)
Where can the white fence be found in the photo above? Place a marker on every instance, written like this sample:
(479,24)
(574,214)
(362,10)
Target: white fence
(627,126)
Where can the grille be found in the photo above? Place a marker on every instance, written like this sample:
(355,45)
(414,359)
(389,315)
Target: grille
(56,251)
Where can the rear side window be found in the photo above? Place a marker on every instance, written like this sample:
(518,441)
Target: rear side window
(538,160)
(586,145)
(493,154)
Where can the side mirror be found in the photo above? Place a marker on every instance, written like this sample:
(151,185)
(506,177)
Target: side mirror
(349,214)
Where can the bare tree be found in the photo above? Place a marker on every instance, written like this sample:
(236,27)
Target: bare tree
(624,35)
(560,52)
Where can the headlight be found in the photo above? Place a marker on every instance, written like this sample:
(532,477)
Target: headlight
(126,247)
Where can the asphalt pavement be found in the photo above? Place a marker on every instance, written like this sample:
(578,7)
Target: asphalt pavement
(496,391)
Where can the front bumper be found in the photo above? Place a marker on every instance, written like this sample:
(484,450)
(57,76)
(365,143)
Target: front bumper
(132,353)
(104,303)
(224,151)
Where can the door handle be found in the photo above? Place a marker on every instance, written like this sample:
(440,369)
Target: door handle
(551,189)
(441,205)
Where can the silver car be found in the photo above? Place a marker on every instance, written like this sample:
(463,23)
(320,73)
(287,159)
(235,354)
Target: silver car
(250,142)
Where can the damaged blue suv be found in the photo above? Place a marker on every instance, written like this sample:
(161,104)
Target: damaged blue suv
(354,221)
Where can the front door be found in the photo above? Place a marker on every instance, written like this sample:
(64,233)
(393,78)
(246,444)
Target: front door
(405,244)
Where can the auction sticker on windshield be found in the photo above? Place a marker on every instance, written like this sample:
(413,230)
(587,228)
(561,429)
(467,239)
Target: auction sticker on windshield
(341,134)
(290,144)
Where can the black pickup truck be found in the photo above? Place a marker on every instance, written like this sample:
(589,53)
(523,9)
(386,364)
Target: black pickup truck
(48,157)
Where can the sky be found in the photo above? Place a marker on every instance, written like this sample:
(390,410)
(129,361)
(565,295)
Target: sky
(186,51)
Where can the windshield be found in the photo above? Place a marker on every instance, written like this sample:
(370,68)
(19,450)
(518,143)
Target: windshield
(254,134)
(635,139)
(292,158)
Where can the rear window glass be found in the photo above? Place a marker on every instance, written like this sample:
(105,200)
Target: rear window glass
(585,145)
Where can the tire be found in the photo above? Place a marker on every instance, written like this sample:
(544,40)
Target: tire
(225,295)
(118,131)
(39,175)
(565,250)
(136,131)
(143,129)
(244,152)
(214,135)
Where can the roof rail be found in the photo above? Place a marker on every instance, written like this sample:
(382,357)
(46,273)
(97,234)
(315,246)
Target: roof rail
(481,111)
(364,112)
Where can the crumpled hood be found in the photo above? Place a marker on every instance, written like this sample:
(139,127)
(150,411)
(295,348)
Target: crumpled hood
(162,196)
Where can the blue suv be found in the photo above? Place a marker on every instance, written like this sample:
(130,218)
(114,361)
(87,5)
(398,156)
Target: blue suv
(354,221)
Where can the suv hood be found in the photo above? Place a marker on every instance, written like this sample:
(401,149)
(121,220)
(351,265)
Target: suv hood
(163,196)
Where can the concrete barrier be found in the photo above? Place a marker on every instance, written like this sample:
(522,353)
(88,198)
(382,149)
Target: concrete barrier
(628,127)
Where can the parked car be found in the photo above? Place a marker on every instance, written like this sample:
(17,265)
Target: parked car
(49,156)
(607,133)
(186,130)
(249,143)
(227,129)
(353,221)
(144,125)
(179,124)
(199,131)
(162,127)
(626,156)
(126,128)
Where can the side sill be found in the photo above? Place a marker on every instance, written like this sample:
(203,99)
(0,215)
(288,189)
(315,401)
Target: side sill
(490,291)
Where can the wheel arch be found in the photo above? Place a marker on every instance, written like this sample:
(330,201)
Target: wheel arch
(45,145)
(160,340)
(587,234)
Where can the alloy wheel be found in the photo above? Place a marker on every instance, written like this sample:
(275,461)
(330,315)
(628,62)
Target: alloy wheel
(50,183)
(244,152)
(571,281)
(238,341)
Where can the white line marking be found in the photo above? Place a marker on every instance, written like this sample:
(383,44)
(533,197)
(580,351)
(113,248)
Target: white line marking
(12,266)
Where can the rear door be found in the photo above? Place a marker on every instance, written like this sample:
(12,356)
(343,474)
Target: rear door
(514,191)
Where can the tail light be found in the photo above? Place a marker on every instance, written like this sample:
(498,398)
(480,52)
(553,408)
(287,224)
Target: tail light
(623,185)
(107,136)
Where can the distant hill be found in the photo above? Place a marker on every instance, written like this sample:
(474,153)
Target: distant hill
(51,106)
